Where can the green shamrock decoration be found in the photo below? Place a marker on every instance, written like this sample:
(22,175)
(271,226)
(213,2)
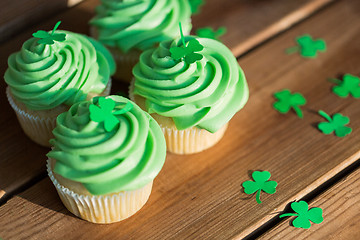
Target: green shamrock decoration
(50,38)
(349,85)
(105,112)
(187,51)
(304,215)
(209,32)
(286,101)
(195,5)
(308,48)
(261,184)
(335,124)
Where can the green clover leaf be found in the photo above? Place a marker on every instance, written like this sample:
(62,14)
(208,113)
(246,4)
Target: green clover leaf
(307,46)
(105,112)
(187,52)
(349,85)
(261,183)
(335,124)
(286,101)
(50,38)
(195,5)
(304,215)
(209,32)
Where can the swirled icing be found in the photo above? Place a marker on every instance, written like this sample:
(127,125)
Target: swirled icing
(45,76)
(127,158)
(205,94)
(139,24)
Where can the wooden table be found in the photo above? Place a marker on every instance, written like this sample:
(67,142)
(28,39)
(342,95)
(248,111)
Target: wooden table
(200,196)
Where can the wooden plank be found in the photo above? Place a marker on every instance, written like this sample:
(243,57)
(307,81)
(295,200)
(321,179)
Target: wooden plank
(17,152)
(200,196)
(341,206)
(251,22)
(17,15)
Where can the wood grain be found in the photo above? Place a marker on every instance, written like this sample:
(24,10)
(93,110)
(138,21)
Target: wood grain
(19,14)
(21,160)
(200,196)
(251,22)
(341,207)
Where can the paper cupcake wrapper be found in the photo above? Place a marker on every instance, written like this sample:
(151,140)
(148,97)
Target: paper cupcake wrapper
(103,208)
(38,127)
(190,140)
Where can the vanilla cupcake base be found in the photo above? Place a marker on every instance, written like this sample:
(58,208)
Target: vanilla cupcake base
(188,141)
(38,124)
(104,209)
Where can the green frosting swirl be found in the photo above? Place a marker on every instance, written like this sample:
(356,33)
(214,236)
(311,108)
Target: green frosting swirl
(45,76)
(127,158)
(205,94)
(139,24)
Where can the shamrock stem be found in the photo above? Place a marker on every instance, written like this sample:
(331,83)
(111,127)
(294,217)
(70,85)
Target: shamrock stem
(288,215)
(258,196)
(56,26)
(325,115)
(292,50)
(334,80)
(298,111)
(182,35)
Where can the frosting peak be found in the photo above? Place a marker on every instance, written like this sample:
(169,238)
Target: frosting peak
(205,94)
(44,76)
(127,157)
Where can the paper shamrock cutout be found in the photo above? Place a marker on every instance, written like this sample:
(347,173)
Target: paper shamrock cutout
(104,112)
(261,183)
(50,38)
(209,32)
(307,47)
(286,101)
(195,5)
(304,215)
(187,51)
(349,85)
(335,124)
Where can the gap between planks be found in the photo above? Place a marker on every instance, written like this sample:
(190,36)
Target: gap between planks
(309,198)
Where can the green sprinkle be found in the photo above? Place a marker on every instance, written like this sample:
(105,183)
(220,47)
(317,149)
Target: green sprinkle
(350,85)
(337,124)
(187,52)
(261,183)
(50,38)
(307,47)
(286,101)
(304,215)
(104,112)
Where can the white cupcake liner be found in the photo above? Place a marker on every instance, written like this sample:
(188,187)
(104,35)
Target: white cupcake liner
(35,124)
(103,208)
(191,140)
(37,128)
